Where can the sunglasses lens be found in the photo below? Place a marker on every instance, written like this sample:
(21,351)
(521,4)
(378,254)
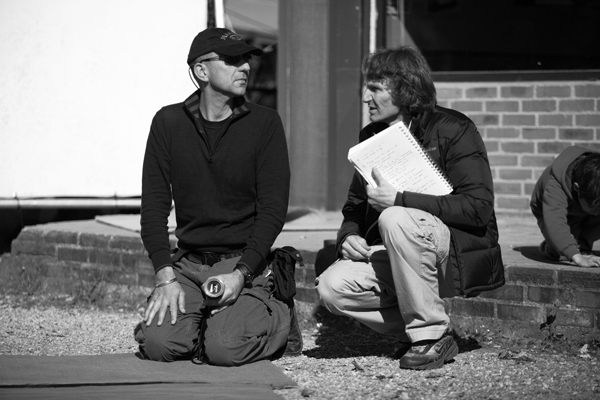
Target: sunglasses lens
(235,60)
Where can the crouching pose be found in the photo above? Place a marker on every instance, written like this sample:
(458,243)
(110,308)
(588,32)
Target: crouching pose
(401,252)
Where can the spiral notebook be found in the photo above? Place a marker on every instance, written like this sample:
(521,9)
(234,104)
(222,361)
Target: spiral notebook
(401,160)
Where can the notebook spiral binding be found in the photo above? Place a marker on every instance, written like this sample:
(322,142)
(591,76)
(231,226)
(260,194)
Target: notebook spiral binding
(432,163)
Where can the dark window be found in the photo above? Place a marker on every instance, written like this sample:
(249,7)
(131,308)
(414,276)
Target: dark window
(505,35)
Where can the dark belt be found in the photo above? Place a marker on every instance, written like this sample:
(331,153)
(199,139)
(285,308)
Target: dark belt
(209,258)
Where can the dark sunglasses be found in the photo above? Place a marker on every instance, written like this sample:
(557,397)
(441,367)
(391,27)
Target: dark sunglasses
(231,60)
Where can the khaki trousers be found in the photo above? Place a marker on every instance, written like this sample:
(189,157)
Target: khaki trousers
(396,291)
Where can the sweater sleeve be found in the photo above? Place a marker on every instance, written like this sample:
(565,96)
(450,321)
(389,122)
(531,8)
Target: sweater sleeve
(272,193)
(555,208)
(156,195)
(471,204)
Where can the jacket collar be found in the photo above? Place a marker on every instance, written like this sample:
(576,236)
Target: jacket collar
(192,105)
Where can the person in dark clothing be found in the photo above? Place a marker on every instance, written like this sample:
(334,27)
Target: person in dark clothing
(224,163)
(401,252)
(566,204)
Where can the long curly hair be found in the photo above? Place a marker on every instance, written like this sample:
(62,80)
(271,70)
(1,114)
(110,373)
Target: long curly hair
(408,79)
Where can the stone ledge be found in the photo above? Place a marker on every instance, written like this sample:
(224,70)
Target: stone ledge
(534,291)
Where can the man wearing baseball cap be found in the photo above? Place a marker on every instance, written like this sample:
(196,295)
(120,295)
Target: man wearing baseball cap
(224,163)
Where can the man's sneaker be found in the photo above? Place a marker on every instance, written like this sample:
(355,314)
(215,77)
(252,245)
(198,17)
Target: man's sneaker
(402,349)
(294,343)
(429,354)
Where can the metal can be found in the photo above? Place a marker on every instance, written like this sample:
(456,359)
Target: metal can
(214,287)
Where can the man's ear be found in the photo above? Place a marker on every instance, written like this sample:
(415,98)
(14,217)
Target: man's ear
(200,72)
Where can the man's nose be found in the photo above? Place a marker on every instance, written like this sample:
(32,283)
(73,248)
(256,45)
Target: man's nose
(366,97)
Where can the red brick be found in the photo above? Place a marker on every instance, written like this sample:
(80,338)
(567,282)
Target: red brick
(63,237)
(576,134)
(503,160)
(472,307)
(529,187)
(502,132)
(514,174)
(588,120)
(33,247)
(501,106)
(129,243)
(30,234)
(539,133)
(552,147)
(94,240)
(73,254)
(539,105)
(517,91)
(506,292)
(530,275)
(519,203)
(579,279)
(485,119)
(104,257)
(587,90)
(517,147)
(449,93)
(518,119)
(516,312)
(482,92)
(134,261)
(553,91)
(466,106)
(549,295)
(576,105)
(555,120)
(536,161)
(587,299)
(491,145)
(583,319)
(507,188)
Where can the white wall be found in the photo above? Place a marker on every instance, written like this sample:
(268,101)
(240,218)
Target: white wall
(80,81)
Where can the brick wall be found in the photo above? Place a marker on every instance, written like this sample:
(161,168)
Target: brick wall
(571,296)
(524,126)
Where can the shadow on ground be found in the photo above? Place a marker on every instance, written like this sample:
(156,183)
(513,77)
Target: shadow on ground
(342,337)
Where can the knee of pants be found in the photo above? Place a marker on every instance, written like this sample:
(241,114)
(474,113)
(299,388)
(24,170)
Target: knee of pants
(330,289)
(156,346)
(232,353)
(394,218)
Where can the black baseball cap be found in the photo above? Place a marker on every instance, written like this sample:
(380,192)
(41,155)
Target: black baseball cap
(221,41)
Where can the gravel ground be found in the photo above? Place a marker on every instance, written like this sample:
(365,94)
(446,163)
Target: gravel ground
(341,360)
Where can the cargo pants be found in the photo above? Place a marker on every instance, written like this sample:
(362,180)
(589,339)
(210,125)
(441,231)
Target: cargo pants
(254,328)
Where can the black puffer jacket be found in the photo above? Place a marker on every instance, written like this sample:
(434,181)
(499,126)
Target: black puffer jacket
(453,142)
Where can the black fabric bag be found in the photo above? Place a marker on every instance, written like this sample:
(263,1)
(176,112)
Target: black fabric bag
(283,264)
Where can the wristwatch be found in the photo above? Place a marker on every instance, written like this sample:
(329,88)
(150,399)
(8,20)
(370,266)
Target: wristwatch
(248,275)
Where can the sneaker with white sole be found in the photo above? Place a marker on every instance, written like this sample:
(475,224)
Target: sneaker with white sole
(430,354)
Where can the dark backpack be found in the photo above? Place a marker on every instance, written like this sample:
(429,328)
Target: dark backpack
(283,264)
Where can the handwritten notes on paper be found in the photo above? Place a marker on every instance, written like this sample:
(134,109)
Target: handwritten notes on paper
(401,160)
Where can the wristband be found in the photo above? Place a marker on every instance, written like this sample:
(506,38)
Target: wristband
(165,283)
(248,275)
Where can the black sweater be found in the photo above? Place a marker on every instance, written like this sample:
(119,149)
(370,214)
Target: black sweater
(228,199)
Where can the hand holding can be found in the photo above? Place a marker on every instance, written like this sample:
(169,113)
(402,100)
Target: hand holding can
(213,287)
